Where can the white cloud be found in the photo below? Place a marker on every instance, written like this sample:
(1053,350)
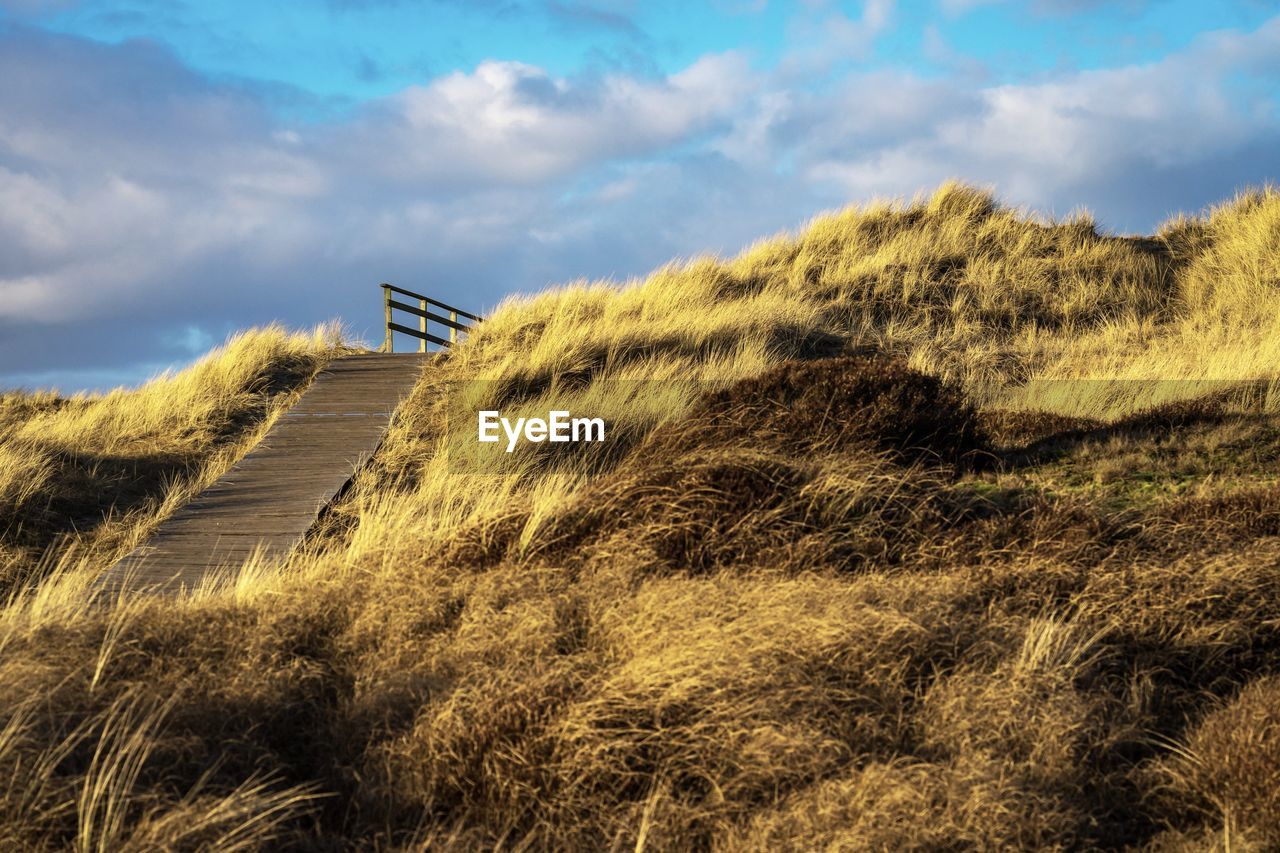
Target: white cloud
(507,122)
(1044,142)
(827,37)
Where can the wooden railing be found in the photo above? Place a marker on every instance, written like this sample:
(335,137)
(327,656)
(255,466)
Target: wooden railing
(457,321)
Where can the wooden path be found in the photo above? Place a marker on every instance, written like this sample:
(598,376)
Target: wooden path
(269,500)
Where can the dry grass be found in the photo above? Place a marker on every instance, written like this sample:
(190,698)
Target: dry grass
(93,474)
(931,527)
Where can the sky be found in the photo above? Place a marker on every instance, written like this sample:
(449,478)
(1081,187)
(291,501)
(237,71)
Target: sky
(171,172)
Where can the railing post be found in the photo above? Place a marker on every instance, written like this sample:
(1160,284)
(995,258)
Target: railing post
(423,312)
(386,304)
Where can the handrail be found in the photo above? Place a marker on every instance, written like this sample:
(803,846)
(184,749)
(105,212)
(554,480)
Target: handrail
(423,314)
(437,318)
(434,302)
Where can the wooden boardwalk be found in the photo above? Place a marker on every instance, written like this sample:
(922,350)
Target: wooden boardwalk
(269,500)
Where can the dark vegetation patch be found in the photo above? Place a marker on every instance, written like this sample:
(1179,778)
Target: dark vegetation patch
(1233,757)
(765,470)
(865,401)
(1020,429)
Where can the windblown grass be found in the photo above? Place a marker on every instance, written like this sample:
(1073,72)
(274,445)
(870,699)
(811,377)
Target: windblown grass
(94,474)
(931,526)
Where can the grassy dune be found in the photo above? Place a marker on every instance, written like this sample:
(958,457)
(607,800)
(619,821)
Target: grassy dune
(86,477)
(949,528)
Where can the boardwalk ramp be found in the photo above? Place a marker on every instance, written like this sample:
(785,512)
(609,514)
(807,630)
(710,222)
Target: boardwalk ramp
(268,501)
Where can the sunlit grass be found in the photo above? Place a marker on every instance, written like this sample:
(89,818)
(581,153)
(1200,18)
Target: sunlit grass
(692,642)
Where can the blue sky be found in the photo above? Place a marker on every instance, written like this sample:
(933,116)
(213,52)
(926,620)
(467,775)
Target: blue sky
(171,172)
(351,50)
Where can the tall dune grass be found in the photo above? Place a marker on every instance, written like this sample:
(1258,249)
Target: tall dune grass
(1000,602)
(95,473)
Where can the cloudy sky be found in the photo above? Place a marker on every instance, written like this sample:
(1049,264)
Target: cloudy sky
(173,171)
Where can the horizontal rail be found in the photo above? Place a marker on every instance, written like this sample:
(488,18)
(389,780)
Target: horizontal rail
(420,335)
(435,302)
(435,318)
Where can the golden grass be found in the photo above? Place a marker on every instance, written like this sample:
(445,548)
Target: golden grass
(91,475)
(747,624)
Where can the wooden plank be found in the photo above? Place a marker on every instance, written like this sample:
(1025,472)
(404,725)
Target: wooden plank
(249,493)
(321,429)
(268,500)
(200,545)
